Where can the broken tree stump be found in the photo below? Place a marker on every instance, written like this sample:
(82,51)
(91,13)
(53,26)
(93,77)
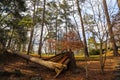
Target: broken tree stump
(72,63)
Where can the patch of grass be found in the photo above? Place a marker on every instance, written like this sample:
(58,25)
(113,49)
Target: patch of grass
(92,57)
(78,57)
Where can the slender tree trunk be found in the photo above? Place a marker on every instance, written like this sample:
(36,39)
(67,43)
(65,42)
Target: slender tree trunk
(115,49)
(30,42)
(77,30)
(66,23)
(32,31)
(43,20)
(106,44)
(77,27)
(56,24)
(83,31)
(84,38)
(101,58)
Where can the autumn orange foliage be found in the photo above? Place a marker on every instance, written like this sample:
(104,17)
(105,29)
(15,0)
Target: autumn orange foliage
(69,41)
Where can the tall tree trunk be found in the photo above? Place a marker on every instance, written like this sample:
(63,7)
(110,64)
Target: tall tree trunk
(118,2)
(66,22)
(84,38)
(83,31)
(32,31)
(101,58)
(77,27)
(115,49)
(30,42)
(56,24)
(43,20)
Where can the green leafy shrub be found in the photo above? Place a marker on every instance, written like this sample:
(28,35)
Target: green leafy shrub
(94,52)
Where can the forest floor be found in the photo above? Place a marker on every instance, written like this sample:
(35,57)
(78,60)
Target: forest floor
(13,67)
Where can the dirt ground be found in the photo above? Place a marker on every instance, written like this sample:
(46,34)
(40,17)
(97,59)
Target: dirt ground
(13,67)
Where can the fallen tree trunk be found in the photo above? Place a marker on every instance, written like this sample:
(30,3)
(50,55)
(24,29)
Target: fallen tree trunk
(65,60)
(48,64)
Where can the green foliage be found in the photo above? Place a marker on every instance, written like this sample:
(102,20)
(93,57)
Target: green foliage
(10,16)
(12,5)
(26,21)
(94,52)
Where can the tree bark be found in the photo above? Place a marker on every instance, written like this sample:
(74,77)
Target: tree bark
(77,27)
(72,64)
(48,64)
(101,58)
(57,66)
(32,30)
(83,30)
(30,42)
(56,30)
(118,2)
(43,20)
(115,49)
